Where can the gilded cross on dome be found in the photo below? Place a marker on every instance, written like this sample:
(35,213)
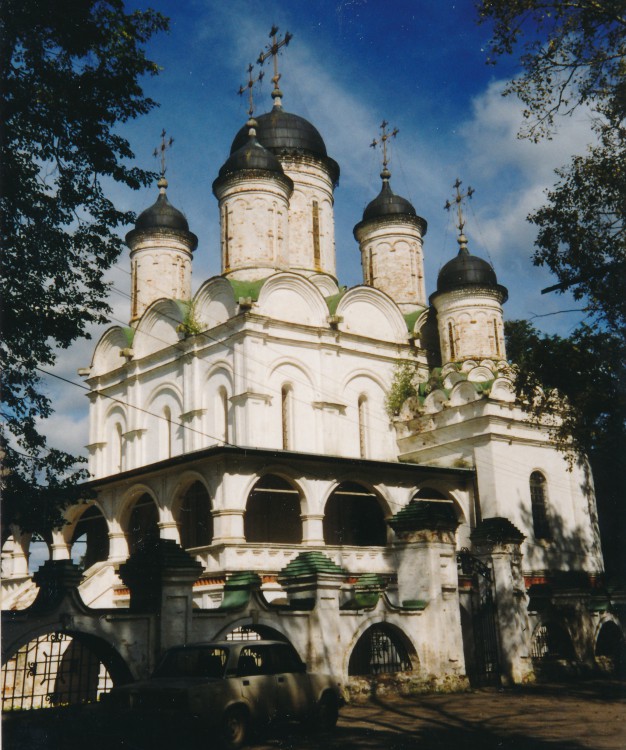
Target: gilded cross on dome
(249,86)
(458,200)
(273,50)
(160,150)
(382,142)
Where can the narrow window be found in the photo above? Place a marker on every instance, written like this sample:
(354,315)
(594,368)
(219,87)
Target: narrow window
(223,398)
(362,406)
(371,268)
(316,235)
(539,501)
(451,341)
(135,288)
(120,447)
(496,337)
(226,251)
(285,402)
(168,431)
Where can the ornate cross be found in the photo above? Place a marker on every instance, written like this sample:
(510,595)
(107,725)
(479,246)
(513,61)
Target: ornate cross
(385,136)
(272,50)
(249,86)
(458,199)
(160,151)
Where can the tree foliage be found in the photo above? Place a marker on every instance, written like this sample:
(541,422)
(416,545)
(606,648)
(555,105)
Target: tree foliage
(580,379)
(573,54)
(70,76)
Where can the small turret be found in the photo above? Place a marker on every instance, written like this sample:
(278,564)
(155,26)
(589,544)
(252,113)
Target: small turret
(161,248)
(469,302)
(390,239)
(253,193)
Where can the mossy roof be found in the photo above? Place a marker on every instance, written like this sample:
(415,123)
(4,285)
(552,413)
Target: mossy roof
(308,563)
(424,514)
(247,289)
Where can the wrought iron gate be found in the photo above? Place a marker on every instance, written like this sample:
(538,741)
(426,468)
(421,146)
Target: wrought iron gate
(483,668)
(52,670)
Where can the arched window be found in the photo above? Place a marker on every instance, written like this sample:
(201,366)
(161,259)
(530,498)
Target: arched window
(353,516)
(551,641)
(286,398)
(195,522)
(90,539)
(382,649)
(362,408)
(539,505)
(143,523)
(273,512)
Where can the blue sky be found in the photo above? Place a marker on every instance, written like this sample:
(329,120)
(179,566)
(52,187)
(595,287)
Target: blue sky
(419,64)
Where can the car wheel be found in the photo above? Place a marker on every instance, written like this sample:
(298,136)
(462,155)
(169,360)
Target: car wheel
(327,712)
(234,728)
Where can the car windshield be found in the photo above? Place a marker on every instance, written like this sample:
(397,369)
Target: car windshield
(206,661)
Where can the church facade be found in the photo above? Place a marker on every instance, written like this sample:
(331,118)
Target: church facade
(349,467)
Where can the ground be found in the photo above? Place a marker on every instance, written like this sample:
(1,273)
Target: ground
(570,716)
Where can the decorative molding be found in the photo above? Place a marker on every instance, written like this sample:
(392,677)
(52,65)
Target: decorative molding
(189,415)
(130,434)
(242,398)
(330,406)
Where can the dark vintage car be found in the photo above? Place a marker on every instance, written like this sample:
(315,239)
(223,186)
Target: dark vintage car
(226,687)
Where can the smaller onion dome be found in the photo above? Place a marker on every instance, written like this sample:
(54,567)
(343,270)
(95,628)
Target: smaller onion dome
(252,157)
(162,215)
(468,270)
(387,203)
(388,206)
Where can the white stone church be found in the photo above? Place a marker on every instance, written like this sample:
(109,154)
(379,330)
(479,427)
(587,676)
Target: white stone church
(251,424)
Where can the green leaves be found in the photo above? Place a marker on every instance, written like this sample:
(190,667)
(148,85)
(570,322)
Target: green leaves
(71,73)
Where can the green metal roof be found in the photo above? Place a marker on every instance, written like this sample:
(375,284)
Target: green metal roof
(247,289)
(308,563)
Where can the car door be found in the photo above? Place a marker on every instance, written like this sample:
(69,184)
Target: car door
(257,681)
(293,689)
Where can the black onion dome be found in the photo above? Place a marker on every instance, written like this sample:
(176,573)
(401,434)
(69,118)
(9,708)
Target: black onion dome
(468,270)
(387,203)
(251,156)
(162,215)
(282,131)
(285,133)
(388,206)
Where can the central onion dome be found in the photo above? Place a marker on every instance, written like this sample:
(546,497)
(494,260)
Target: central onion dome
(468,270)
(162,216)
(284,133)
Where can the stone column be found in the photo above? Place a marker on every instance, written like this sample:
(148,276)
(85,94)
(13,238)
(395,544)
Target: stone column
(160,576)
(497,541)
(427,578)
(313,582)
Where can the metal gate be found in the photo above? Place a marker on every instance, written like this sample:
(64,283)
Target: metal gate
(53,670)
(483,666)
